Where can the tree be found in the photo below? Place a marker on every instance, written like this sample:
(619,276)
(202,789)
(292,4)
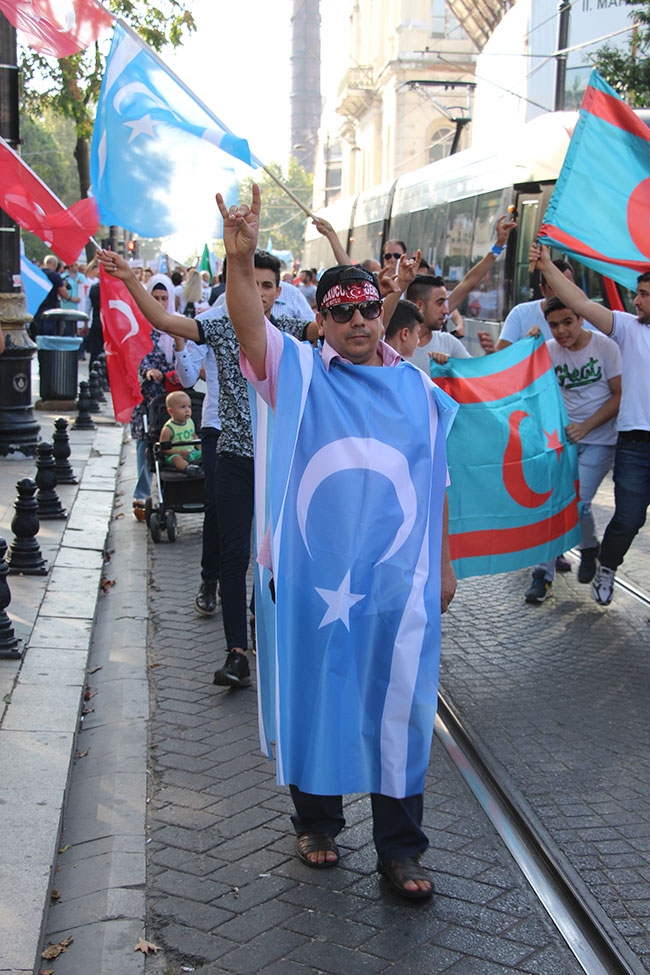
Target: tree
(282,220)
(628,72)
(70,86)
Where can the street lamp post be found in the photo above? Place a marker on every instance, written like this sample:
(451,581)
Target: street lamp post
(18,426)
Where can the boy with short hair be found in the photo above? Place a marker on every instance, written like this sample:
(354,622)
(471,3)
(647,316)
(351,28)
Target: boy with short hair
(588,367)
(179,430)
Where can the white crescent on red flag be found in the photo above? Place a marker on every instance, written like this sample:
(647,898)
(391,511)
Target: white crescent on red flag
(127,340)
(28,201)
(57,27)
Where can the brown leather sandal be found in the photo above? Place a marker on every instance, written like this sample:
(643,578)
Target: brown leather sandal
(315,843)
(398,872)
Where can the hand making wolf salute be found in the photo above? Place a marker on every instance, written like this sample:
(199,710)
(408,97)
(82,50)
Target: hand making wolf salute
(363,573)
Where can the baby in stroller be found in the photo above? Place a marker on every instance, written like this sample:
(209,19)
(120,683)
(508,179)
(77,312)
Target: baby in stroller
(176,432)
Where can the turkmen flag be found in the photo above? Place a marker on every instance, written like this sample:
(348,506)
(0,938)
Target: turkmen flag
(513,500)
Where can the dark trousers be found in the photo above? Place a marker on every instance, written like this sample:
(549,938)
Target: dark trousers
(631,500)
(397,823)
(234,496)
(211,544)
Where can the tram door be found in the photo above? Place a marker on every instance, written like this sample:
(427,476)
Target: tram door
(530,210)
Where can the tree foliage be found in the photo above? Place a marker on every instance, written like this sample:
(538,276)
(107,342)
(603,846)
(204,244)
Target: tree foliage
(628,71)
(282,220)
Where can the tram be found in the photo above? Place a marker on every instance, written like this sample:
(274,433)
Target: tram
(449,209)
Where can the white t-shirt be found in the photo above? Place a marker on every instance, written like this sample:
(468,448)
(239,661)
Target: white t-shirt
(633,339)
(439,342)
(584,377)
(522,318)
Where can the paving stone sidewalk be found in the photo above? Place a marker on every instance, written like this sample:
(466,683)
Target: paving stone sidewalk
(225,891)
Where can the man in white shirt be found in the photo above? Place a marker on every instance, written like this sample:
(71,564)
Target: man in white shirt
(429,293)
(632,461)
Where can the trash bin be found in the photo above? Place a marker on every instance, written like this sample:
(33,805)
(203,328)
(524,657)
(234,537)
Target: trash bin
(58,356)
(64,321)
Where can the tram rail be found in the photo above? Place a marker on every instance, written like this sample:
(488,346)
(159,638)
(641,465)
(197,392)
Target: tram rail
(596,945)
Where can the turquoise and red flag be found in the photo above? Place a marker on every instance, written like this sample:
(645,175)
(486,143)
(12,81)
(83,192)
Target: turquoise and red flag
(600,208)
(513,499)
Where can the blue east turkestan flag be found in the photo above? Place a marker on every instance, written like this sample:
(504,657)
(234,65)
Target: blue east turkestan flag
(155,145)
(600,208)
(348,656)
(35,282)
(514,476)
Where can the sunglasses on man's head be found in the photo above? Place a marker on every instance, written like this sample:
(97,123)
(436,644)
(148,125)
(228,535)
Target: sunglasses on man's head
(388,256)
(345,312)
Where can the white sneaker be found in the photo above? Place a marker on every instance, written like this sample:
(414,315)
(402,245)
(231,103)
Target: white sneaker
(602,588)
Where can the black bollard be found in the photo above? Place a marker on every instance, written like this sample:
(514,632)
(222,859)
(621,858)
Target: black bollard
(24,552)
(84,420)
(93,405)
(100,362)
(61,452)
(49,504)
(96,391)
(9,645)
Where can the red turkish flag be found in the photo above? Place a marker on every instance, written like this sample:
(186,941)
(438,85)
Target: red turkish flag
(127,340)
(28,201)
(57,27)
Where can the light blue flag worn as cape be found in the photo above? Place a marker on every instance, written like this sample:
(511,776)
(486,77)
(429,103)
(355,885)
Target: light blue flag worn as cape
(353,487)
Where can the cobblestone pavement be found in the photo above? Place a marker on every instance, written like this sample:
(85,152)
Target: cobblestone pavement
(225,891)
(559,694)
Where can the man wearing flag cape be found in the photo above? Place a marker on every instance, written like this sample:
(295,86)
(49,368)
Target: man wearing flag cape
(357,545)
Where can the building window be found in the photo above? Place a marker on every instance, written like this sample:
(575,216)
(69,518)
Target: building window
(440,142)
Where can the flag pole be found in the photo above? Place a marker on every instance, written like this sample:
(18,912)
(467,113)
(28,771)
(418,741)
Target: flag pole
(188,91)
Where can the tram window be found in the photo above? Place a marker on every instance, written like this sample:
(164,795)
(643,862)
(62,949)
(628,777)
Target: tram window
(527,231)
(589,280)
(486,301)
(415,237)
(434,237)
(458,250)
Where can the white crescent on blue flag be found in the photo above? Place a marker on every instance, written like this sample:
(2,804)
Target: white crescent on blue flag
(155,146)
(36,284)
(348,656)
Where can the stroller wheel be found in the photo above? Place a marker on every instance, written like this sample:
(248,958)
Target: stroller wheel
(154,527)
(148,508)
(171,526)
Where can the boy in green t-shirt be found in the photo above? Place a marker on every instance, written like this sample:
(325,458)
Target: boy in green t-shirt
(179,429)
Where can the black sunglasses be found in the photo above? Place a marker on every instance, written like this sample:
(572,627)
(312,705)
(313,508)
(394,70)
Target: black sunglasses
(345,312)
(387,256)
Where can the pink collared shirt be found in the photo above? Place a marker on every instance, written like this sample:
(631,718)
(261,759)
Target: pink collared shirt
(267,388)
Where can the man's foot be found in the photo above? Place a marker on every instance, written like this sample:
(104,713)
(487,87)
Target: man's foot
(587,567)
(318,850)
(539,589)
(407,877)
(562,564)
(206,598)
(602,588)
(235,672)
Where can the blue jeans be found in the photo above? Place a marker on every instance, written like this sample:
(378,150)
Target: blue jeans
(631,500)
(211,544)
(234,496)
(142,488)
(594,461)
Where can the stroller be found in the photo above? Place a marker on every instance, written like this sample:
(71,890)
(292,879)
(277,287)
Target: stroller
(173,491)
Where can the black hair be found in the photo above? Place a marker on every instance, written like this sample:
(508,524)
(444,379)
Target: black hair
(268,261)
(406,315)
(420,286)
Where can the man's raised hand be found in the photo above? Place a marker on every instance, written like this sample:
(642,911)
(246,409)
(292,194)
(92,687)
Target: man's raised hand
(241,225)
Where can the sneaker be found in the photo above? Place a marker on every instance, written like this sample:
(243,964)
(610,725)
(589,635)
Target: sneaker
(602,588)
(540,588)
(235,672)
(562,564)
(206,598)
(587,567)
(193,470)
